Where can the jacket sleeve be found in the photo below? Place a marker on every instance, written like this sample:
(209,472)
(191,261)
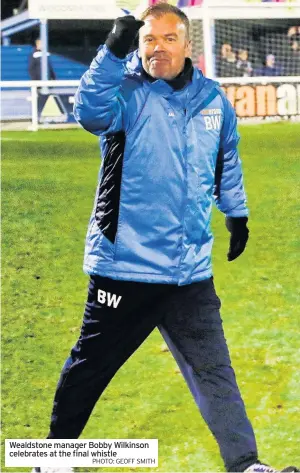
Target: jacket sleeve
(99,106)
(229,190)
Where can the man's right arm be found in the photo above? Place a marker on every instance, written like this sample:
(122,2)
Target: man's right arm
(99,106)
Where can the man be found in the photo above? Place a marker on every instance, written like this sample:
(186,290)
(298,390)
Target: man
(243,65)
(270,68)
(35,72)
(227,62)
(168,141)
(35,60)
(293,57)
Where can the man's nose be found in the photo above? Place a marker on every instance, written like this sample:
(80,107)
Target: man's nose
(159,46)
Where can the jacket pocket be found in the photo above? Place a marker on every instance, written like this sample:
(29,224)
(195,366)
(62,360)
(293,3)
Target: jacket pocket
(97,245)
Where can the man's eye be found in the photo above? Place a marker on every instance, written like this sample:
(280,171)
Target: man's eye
(170,40)
(148,40)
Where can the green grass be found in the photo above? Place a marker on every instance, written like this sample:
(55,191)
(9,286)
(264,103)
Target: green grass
(49,180)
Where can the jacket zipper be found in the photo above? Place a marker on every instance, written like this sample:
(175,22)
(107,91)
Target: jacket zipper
(185,195)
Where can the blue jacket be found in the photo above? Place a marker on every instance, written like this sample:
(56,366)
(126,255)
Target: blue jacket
(167,154)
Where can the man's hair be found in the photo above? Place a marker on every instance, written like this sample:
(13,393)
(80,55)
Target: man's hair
(161,9)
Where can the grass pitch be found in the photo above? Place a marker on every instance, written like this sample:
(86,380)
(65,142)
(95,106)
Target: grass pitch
(49,180)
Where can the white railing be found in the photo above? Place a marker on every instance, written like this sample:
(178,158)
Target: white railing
(239,9)
(269,97)
(35,88)
(38,83)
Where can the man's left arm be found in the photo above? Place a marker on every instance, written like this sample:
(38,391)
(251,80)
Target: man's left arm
(229,190)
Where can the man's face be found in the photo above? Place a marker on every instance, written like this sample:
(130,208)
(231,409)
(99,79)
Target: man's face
(270,60)
(243,55)
(38,44)
(163,46)
(226,50)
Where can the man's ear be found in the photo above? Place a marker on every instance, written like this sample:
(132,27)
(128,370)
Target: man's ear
(188,49)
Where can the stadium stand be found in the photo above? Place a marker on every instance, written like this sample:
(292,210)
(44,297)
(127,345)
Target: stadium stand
(15,104)
(14,64)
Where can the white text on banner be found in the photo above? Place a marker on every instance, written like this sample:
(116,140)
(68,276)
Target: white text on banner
(108,453)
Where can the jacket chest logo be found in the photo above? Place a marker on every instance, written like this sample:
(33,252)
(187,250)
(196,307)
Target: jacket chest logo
(212,118)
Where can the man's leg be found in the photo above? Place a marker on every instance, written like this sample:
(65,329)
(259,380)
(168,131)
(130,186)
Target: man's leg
(192,328)
(119,315)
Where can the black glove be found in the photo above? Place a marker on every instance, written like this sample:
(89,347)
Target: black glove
(237,226)
(122,35)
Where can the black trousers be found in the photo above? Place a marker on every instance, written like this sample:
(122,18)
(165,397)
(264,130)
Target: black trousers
(119,316)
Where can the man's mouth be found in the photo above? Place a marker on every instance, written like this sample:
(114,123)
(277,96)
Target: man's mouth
(158,59)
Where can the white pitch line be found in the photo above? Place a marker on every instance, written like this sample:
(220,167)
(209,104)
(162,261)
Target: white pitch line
(4,138)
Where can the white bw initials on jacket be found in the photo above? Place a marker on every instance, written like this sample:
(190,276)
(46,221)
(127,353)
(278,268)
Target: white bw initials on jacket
(106,298)
(212,118)
(213,122)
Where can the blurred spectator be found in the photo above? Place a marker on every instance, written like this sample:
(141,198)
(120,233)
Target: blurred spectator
(270,68)
(294,33)
(227,62)
(243,65)
(293,60)
(35,66)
